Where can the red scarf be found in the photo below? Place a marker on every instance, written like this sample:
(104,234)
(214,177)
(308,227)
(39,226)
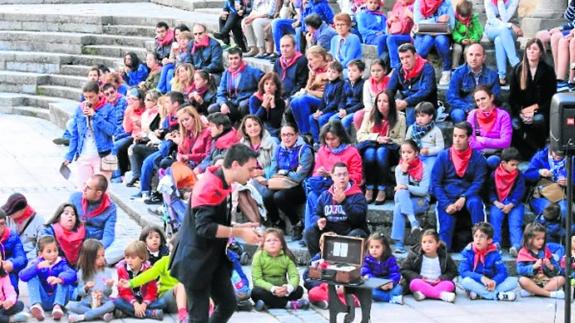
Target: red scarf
(464,20)
(285,64)
(381,129)
(203,43)
(5,235)
(28,212)
(416,70)
(526,255)
(102,101)
(504,181)
(168,39)
(486,120)
(104,204)
(201,91)
(377,87)
(460,160)
(241,68)
(429,7)
(232,88)
(70,241)
(320,70)
(480,254)
(259,95)
(415,169)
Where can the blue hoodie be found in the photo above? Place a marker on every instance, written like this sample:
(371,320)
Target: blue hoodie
(209,58)
(352,100)
(332,96)
(133,78)
(296,160)
(420,88)
(447,187)
(102,226)
(344,217)
(493,268)
(370,24)
(319,7)
(60,269)
(538,161)
(295,77)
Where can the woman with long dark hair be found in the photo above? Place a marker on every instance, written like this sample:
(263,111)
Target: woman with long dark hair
(267,102)
(134,71)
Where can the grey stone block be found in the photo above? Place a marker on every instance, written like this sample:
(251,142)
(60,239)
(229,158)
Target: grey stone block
(59,91)
(130,30)
(67,80)
(32,112)
(113,51)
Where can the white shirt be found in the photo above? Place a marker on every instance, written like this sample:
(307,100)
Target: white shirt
(430,268)
(89,148)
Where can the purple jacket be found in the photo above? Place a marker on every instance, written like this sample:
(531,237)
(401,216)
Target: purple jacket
(387,269)
(498,138)
(60,269)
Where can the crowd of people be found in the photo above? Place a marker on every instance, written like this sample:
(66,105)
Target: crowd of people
(327,138)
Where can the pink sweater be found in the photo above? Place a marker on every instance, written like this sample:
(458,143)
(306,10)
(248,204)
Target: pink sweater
(7,291)
(499,137)
(326,158)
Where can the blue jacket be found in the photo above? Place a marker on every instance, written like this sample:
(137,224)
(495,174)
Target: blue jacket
(319,7)
(13,250)
(421,88)
(296,161)
(352,100)
(133,78)
(554,229)
(119,110)
(388,268)
(101,227)
(104,124)
(350,49)
(60,269)
(525,267)
(370,25)
(493,268)
(538,161)
(209,58)
(332,96)
(444,9)
(230,6)
(462,85)
(295,77)
(447,187)
(345,216)
(324,35)
(515,196)
(245,87)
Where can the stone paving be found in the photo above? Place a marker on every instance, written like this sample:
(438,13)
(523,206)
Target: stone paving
(29,163)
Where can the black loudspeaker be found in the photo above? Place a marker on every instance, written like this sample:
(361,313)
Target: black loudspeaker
(562,122)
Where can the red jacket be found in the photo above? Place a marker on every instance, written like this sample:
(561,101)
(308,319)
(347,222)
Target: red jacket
(196,148)
(349,155)
(148,292)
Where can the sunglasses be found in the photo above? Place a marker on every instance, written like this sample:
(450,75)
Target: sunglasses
(109,93)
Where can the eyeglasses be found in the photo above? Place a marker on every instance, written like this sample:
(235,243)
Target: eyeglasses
(109,93)
(287,134)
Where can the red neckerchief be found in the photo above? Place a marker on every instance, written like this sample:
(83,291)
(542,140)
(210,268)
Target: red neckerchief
(232,89)
(104,204)
(480,254)
(201,91)
(464,20)
(285,64)
(415,169)
(381,129)
(416,70)
(320,70)
(168,39)
(203,43)
(486,120)
(460,160)
(70,241)
(209,190)
(377,87)
(504,181)
(526,255)
(429,7)
(241,68)
(28,212)
(118,96)
(101,102)
(259,95)
(495,2)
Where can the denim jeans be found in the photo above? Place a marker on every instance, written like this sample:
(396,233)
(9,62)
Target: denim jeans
(166,76)
(470,285)
(515,219)
(409,116)
(15,309)
(38,295)
(128,309)
(539,204)
(457,115)
(167,302)
(147,171)
(378,159)
(393,43)
(442,43)
(346,121)
(378,40)
(405,204)
(281,27)
(504,41)
(301,107)
(446,222)
(316,124)
(90,314)
(385,295)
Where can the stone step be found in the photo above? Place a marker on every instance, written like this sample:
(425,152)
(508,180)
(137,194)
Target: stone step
(55,42)
(191,5)
(75,70)
(113,50)
(91,60)
(59,91)
(33,21)
(130,30)
(121,40)
(20,82)
(32,112)
(37,62)
(8,99)
(67,80)
(20,2)
(208,19)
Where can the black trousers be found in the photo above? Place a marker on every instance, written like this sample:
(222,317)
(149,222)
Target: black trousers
(312,235)
(233,23)
(122,153)
(139,153)
(273,301)
(221,291)
(284,200)
(237,112)
(5,314)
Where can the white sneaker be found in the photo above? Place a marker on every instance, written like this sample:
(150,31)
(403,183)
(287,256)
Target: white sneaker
(447,297)
(396,300)
(559,294)
(506,296)
(472,295)
(513,252)
(445,78)
(418,296)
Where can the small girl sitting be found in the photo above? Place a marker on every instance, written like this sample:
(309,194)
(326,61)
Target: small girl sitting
(380,263)
(155,241)
(429,270)
(69,232)
(540,273)
(95,282)
(275,275)
(12,309)
(49,279)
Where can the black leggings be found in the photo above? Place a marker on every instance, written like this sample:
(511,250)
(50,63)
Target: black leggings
(286,201)
(273,301)
(5,314)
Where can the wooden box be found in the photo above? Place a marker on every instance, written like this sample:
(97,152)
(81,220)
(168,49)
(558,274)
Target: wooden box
(343,257)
